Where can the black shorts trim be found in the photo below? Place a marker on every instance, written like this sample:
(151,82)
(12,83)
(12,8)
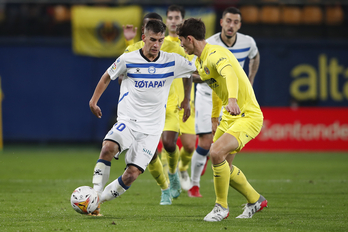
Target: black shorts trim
(140,169)
(204,133)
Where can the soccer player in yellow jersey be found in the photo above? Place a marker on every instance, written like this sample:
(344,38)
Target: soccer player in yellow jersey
(171,123)
(175,16)
(241,120)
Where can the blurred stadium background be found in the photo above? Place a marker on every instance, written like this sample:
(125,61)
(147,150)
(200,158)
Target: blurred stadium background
(53,52)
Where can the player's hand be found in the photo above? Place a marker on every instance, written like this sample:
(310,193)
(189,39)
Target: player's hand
(185,105)
(95,110)
(232,107)
(129,31)
(214,124)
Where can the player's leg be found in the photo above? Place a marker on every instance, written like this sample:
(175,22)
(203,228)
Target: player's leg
(188,142)
(203,107)
(102,167)
(137,158)
(156,170)
(221,170)
(115,141)
(121,184)
(255,202)
(169,139)
(198,161)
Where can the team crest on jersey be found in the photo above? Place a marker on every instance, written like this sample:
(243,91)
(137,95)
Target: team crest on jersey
(152,70)
(206,70)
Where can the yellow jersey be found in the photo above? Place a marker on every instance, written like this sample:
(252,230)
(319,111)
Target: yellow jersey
(234,84)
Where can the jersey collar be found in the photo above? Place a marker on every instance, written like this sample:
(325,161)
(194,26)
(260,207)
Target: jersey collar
(142,54)
(226,44)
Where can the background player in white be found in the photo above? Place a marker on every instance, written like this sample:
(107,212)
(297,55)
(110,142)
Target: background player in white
(148,74)
(242,46)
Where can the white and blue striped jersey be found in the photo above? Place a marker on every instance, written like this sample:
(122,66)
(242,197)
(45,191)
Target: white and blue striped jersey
(145,87)
(243,47)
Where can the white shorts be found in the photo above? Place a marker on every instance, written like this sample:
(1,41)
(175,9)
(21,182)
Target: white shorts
(139,147)
(203,107)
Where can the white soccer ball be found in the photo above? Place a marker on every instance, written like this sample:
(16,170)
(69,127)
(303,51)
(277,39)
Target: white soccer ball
(84,200)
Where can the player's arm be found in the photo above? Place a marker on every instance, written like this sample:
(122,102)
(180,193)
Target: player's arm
(99,90)
(129,32)
(215,114)
(185,104)
(232,86)
(253,67)
(196,78)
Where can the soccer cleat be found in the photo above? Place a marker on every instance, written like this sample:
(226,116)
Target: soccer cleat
(205,166)
(217,214)
(175,187)
(96,212)
(251,209)
(194,192)
(184,180)
(166,198)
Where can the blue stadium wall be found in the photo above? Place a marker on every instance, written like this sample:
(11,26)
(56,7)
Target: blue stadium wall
(47,88)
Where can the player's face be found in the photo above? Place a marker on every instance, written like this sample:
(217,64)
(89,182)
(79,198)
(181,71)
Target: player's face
(174,18)
(187,44)
(230,24)
(153,43)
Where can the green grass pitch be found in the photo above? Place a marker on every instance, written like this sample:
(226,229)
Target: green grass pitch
(305,191)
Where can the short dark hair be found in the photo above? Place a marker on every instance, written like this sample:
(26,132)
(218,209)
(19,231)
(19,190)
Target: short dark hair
(193,27)
(153,15)
(231,10)
(176,8)
(155,26)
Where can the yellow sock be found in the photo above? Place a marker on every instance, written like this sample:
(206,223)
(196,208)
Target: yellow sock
(173,158)
(164,159)
(239,182)
(185,159)
(221,179)
(156,170)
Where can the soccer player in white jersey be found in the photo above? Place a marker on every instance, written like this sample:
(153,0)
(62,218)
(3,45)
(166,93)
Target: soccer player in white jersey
(148,74)
(242,46)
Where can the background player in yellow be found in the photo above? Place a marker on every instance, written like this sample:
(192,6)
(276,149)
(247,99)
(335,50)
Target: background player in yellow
(172,115)
(175,16)
(241,120)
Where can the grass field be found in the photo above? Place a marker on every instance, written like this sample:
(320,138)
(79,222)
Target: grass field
(306,192)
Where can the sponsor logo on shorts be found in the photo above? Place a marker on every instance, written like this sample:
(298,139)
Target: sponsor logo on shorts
(148,152)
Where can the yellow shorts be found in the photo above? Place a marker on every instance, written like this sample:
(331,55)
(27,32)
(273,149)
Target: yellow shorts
(188,127)
(172,115)
(243,129)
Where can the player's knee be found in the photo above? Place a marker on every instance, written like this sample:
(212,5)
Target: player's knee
(216,154)
(169,146)
(109,150)
(190,148)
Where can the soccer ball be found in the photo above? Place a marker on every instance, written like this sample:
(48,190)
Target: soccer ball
(84,200)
